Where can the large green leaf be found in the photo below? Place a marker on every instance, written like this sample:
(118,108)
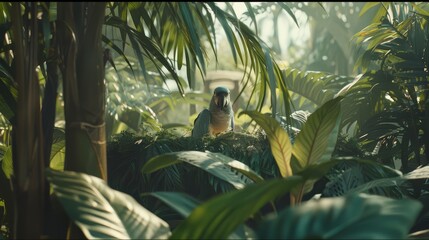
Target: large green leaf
(281,146)
(220,216)
(102,212)
(185,204)
(221,166)
(351,217)
(316,141)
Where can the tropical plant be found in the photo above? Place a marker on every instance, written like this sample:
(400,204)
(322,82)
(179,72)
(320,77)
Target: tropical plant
(390,98)
(113,214)
(46,45)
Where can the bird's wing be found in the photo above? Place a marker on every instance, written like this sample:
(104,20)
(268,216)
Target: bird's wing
(201,124)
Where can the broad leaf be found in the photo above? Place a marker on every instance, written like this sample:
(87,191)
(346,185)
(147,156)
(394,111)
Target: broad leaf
(316,141)
(185,204)
(220,216)
(221,166)
(351,217)
(102,212)
(280,144)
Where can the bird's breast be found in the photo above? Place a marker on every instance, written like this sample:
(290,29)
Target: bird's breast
(220,122)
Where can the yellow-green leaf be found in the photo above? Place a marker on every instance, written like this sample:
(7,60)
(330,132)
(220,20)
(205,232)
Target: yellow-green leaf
(280,144)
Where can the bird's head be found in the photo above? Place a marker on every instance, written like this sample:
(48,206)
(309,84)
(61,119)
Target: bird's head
(221,97)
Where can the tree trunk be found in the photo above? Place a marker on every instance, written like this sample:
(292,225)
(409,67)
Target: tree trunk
(28,163)
(84,89)
(79,39)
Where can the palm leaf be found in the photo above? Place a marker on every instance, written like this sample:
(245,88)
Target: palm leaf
(289,11)
(419,173)
(318,87)
(228,31)
(272,80)
(190,26)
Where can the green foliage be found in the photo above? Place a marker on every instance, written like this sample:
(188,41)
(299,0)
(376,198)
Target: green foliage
(357,216)
(179,30)
(218,217)
(314,143)
(128,153)
(311,89)
(351,174)
(420,173)
(228,169)
(317,139)
(280,144)
(351,216)
(102,212)
(58,149)
(388,102)
(6,161)
(181,202)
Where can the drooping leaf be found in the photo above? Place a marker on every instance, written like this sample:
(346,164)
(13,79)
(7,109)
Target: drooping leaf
(291,14)
(251,13)
(352,217)
(102,212)
(280,144)
(221,166)
(272,79)
(220,216)
(185,10)
(228,31)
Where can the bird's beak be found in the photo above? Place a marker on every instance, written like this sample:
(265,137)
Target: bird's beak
(221,101)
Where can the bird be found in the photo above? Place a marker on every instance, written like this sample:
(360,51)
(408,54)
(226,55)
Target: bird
(218,118)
